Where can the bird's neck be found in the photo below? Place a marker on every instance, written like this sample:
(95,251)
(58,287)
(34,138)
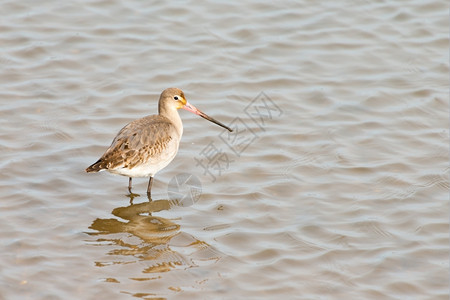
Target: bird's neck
(173,115)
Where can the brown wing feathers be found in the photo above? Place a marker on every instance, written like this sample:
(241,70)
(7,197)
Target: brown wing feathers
(135,143)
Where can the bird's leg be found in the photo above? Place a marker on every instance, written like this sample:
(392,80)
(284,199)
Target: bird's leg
(131,195)
(149,188)
(129,185)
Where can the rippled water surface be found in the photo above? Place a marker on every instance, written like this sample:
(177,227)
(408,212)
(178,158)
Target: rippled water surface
(334,185)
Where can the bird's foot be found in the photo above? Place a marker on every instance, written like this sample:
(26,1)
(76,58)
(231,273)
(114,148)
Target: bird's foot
(132,196)
(149,196)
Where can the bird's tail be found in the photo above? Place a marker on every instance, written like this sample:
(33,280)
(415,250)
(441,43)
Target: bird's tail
(95,167)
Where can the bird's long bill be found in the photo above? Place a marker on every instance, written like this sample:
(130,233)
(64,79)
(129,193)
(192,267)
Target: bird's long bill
(193,109)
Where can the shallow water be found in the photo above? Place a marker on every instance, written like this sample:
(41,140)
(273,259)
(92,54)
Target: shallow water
(334,185)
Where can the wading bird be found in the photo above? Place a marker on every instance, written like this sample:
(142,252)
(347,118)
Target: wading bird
(147,145)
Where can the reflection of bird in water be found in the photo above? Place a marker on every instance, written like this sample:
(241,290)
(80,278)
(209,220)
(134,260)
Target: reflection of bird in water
(155,243)
(155,232)
(149,228)
(147,145)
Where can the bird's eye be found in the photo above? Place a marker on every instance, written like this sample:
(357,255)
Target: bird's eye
(176,98)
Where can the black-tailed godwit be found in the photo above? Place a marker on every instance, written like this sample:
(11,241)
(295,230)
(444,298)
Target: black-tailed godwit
(147,145)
